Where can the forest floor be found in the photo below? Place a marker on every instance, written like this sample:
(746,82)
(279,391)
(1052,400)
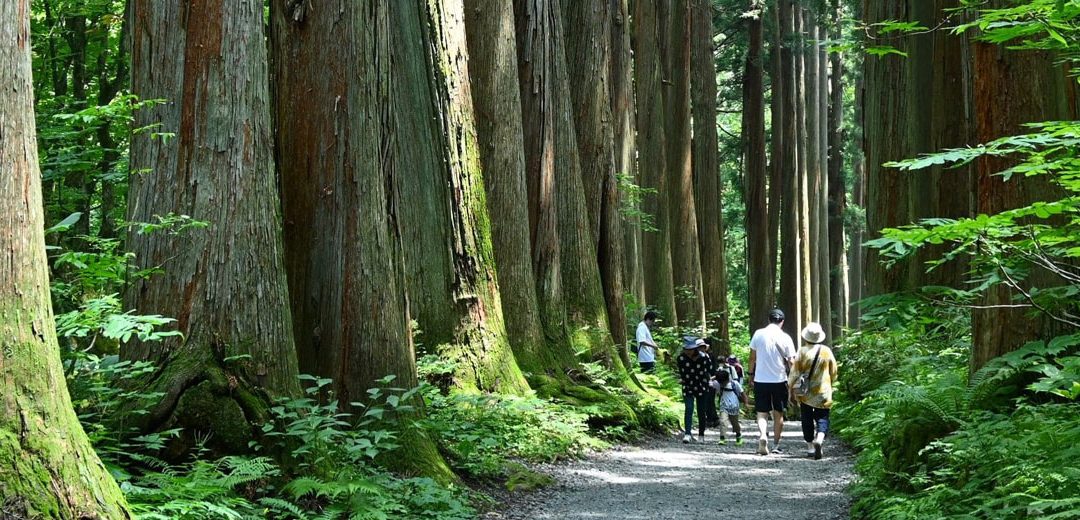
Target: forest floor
(666,479)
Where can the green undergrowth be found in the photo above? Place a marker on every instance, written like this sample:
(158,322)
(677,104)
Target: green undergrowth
(933,442)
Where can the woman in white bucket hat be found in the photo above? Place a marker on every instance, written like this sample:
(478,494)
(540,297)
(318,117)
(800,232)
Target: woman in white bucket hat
(811,384)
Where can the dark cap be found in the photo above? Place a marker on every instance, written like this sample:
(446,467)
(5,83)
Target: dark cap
(776,316)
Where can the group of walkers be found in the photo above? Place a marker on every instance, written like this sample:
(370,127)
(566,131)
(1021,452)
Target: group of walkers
(778,373)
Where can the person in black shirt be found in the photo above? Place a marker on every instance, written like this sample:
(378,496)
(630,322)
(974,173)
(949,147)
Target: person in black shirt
(694,373)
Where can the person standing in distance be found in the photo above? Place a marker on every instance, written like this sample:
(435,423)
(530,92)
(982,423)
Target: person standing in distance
(771,352)
(646,353)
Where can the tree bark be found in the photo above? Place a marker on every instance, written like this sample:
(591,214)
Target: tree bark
(804,105)
(685,252)
(589,57)
(449,263)
(914,105)
(821,240)
(790,291)
(497,102)
(777,118)
(813,186)
(48,469)
(759,279)
(837,197)
(224,284)
(1012,88)
(335,144)
(652,161)
(554,165)
(623,113)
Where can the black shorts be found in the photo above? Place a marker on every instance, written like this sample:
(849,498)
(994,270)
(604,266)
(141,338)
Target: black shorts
(770,397)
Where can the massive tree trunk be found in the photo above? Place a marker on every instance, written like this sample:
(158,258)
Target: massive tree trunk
(1012,88)
(915,104)
(224,284)
(837,197)
(790,291)
(623,113)
(336,131)
(449,263)
(759,278)
(554,169)
(493,74)
(685,253)
(804,105)
(589,57)
(48,469)
(652,160)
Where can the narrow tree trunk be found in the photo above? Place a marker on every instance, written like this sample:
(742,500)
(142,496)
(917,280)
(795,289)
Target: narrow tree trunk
(335,144)
(777,118)
(790,291)
(821,240)
(813,186)
(837,197)
(623,113)
(48,469)
(759,279)
(804,91)
(589,56)
(652,161)
(493,74)
(685,253)
(224,284)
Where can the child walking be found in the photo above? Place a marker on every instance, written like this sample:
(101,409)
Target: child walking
(731,400)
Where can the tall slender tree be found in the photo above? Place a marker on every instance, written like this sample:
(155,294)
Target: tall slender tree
(682,226)
(48,469)
(335,141)
(759,278)
(812,70)
(836,190)
(652,159)
(789,214)
(224,284)
(623,113)
(777,147)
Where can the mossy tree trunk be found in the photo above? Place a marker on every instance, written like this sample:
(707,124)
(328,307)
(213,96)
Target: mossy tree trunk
(556,190)
(497,102)
(449,262)
(48,469)
(588,57)
(335,145)
(225,284)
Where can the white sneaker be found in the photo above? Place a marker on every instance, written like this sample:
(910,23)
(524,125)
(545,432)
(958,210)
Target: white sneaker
(817,450)
(762,446)
(809,449)
(686,439)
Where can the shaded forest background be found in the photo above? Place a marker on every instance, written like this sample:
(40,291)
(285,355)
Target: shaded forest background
(312,259)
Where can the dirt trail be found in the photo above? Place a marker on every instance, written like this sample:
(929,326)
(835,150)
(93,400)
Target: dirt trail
(666,479)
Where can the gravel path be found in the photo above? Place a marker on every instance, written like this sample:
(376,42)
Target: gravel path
(666,479)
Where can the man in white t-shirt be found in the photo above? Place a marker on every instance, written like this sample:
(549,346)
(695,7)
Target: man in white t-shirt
(771,352)
(646,353)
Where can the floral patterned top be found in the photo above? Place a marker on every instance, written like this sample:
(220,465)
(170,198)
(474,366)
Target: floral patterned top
(694,374)
(821,380)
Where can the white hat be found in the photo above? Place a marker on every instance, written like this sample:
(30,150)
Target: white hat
(813,333)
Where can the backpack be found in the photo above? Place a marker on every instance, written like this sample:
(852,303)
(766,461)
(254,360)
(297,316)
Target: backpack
(633,347)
